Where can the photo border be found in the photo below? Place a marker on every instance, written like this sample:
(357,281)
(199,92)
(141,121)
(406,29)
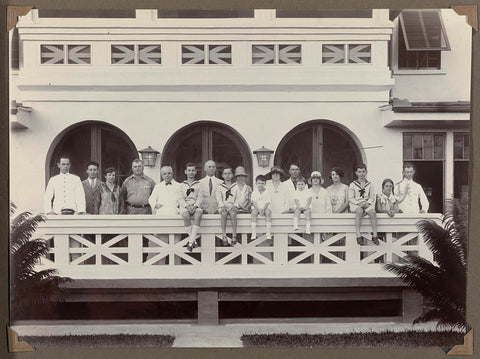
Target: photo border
(473,291)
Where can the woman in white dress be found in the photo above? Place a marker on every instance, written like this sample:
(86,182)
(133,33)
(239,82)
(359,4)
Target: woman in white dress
(279,192)
(338,191)
(321,199)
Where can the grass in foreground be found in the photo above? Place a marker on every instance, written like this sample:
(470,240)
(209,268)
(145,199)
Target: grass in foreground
(445,339)
(119,340)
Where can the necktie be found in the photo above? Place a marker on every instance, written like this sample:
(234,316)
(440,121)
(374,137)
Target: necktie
(228,194)
(210,186)
(168,183)
(190,190)
(92,183)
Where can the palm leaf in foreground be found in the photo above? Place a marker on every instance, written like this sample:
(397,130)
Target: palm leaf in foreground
(32,291)
(443,283)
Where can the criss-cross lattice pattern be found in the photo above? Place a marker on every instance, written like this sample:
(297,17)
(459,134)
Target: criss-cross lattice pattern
(246,251)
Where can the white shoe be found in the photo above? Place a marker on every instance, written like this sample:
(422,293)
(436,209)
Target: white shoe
(308,231)
(269,236)
(254,236)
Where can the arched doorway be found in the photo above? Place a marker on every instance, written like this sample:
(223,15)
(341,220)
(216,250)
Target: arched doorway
(92,141)
(202,141)
(319,145)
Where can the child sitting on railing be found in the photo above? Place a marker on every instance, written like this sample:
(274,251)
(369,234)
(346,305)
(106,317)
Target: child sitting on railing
(261,206)
(362,202)
(303,204)
(226,194)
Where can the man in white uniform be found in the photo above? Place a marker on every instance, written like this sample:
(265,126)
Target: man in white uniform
(408,193)
(66,191)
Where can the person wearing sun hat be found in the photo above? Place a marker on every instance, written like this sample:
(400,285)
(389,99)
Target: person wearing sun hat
(244,193)
(279,192)
(321,199)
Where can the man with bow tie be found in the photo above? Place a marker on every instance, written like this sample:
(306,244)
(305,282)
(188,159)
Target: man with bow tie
(92,188)
(410,193)
(164,198)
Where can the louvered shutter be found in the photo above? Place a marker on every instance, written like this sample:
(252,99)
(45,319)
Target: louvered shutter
(423,30)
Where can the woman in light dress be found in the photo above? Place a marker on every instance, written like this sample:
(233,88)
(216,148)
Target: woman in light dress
(338,191)
(321,199)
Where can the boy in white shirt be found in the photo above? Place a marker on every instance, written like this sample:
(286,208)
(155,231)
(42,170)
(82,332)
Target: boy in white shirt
(261,206)
(226,195)
(302,198)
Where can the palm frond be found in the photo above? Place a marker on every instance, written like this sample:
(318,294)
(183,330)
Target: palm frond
(442,283)
(438,240)
(31,290)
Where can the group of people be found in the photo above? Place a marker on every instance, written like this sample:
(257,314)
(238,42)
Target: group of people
(273,194)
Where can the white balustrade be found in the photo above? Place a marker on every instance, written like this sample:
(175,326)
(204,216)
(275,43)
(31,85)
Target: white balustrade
(148,247)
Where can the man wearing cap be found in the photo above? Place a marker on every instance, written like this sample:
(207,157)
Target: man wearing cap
(136,190)
(291,183)
(244,191)
(208,188)
(279,191)
(65,190)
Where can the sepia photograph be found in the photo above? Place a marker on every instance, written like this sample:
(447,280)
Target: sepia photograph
(239,177)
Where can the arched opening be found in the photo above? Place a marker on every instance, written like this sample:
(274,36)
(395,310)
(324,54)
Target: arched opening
(92,141)
(206,140)
(319,145)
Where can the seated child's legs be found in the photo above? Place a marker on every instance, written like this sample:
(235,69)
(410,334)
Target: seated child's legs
(197,216)
(308,214)
(297,212)
(186,218)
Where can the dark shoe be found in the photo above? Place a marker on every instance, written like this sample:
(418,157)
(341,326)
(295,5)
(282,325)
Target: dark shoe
(195,244)
(376,241)
(360,240)
(225,242)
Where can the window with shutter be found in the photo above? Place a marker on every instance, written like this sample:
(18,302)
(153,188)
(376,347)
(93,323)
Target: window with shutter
(421,38)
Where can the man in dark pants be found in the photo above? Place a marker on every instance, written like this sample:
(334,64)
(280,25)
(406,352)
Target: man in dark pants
(134,194)
(92,188)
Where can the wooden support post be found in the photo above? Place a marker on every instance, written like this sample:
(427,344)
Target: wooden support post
(207,307)
(62,250)
(135,249)
(412,305)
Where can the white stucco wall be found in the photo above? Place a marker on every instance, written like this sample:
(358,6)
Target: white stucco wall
(452,81)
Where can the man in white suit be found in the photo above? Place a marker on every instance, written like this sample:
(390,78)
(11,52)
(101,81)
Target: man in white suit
(208,188)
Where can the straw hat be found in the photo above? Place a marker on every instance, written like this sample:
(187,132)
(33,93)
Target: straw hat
(316,174)
(240,171)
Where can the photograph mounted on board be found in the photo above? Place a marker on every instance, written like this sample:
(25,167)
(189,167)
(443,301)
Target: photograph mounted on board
(264,177)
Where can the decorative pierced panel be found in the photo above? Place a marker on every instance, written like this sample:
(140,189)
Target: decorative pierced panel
(333,54)
(220,54)
(149,54)
(359,54)
(136,54)
(79,54)
(193,54)
(52,54)
(276,54)
(65,54)
(289,54)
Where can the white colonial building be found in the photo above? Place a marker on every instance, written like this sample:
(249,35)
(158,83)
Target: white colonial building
(323,89)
